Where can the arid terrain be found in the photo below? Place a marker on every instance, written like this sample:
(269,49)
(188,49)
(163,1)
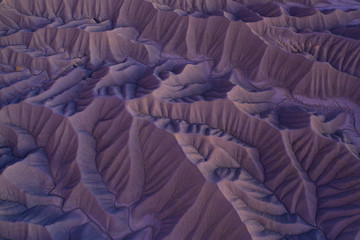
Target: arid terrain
(180,119)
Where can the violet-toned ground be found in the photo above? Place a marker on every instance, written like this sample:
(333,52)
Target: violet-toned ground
(180,119)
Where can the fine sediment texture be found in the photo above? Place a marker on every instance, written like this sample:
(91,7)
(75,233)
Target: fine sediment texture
(186,119)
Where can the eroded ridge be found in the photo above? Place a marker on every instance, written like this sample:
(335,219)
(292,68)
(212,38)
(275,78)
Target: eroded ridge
(158,119)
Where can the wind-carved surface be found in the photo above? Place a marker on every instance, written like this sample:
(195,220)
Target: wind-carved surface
(159,119)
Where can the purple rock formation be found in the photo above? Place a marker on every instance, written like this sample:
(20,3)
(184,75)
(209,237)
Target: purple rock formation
(179,120)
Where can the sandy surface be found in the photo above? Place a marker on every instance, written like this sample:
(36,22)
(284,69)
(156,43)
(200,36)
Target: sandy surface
(186,119)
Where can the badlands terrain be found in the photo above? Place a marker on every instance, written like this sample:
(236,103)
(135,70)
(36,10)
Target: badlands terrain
(180,119)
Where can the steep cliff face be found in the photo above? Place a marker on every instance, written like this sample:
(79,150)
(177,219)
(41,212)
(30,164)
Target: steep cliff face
(186,119)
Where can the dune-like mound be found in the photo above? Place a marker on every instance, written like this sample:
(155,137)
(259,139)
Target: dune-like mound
(180,120)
